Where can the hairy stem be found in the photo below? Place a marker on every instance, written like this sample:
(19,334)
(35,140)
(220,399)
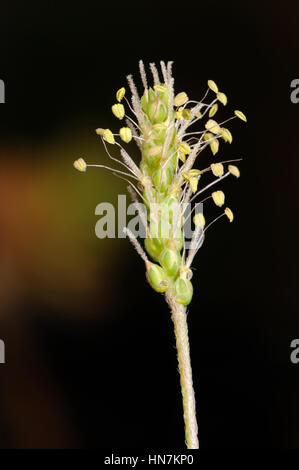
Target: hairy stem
(179,318)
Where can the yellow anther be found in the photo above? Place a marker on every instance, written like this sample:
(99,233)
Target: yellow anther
(194,172)
(184,148)
(182,156)
(222,98)
(181,99)
(185,175)
(198,115)
(214,146)
(80,164)
(108,136)
(208,136)
(120,94)
(218,198)
(226,135)
(213,110)
(217,169)
(199,220)
(125,134)
(229,214)
(212,126)
(193,183)
(100,131)
(118,110)
(160,88)
(186,113)
(234,170)
(212,85)
(240,115)
(179,114)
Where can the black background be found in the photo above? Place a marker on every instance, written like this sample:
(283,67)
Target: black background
(95,366)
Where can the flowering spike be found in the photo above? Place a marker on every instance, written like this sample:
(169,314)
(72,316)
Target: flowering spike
(166,179)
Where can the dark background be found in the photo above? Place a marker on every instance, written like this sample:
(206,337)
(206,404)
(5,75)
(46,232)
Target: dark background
(90,357)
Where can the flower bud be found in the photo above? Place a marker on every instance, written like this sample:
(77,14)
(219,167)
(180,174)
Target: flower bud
(162,179)
(80,164)
(156,277)
(118,110)
(125,134)
(152,249)
(170,260)
(183,290)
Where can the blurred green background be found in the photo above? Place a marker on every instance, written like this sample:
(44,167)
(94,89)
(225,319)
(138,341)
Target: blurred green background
(90,358)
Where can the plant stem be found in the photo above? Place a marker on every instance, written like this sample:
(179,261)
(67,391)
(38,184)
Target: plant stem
(179,318)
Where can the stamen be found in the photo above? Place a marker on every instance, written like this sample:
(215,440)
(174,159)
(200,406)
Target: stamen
(115,159)
(209,185)
(134,132)
(113,170)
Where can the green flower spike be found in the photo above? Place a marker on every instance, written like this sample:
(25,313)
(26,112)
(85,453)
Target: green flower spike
(167,180)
